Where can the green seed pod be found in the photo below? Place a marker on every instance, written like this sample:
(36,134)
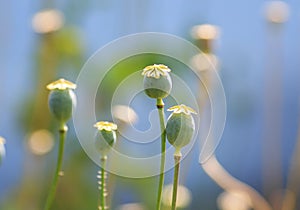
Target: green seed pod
(104,141)
(61,103)
(105,137)
(61,99)
(180,126)
(157,81)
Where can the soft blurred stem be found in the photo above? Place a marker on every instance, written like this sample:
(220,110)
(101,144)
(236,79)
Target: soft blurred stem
(229,183)
(293,182)
(102,205)
(212,167)
(177,158)
(160,107)
(47,66)
(62,136)
(273,115)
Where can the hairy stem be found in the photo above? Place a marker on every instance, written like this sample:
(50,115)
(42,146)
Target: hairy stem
(62,136)
(175,181)
(102,185)
(160,107)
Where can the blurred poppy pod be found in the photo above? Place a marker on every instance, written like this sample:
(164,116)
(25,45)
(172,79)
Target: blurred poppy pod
(180,126)
(105,136)
(61,99)
(157,81)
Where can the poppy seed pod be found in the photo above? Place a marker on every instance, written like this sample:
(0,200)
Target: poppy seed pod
(180,126)
(105,136)
(157,81)
(61,99)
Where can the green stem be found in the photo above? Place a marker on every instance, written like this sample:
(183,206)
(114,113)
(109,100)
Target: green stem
(62,136)
(102,185)
(160,107)
(175,181)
